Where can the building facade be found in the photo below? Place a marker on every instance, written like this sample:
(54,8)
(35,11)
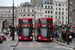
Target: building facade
(48,6)
(61,12)
(25,10)
(6,17)
(34,1)
(56,9)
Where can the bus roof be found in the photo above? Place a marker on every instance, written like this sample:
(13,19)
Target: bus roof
(25,18)
(44,18)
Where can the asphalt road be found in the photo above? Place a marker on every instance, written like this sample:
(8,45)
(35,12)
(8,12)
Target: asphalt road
(34,45)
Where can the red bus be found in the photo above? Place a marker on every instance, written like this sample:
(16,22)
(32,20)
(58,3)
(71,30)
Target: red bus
(25,28)
(44,29)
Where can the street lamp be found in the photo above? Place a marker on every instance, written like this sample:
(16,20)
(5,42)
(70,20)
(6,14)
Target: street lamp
(13,23)
(68,11)
(13,12)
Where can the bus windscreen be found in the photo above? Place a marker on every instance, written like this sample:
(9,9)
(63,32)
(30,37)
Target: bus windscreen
(24,32)
(45,32)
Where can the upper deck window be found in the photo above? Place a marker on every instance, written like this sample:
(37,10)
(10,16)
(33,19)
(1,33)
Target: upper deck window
(45,20)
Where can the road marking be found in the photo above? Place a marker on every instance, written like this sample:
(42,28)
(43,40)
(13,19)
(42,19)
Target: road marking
(46,49)
(70,48)
(55,43)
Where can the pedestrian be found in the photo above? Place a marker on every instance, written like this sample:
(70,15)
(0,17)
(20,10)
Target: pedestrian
(72,36)
(55,34)
(67,37)
(64,36)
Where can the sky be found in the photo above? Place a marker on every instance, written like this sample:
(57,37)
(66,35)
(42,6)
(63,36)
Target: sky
(10,2)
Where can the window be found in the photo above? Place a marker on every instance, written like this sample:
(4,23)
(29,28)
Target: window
(28,10)
(51,12)
(45,20)
(56,4)
(56,22)
(66,17)
(48,15)
(45,15)
(21,10)
(59,13)
(25,25)
(50,2)
(9,11)
(47,2)
(16,11)
(62,13)
(24,14)
(56,17)
(62,4)
(62,8)
(40,15)
(56,8)
(32,15)
(59,8)
(62,22)
(59,17)
(45,6)
(66,9)
(51,6)
(45,11)
(45,25)
(8,15)
(28,5)
(59,4)
(24,10)
(32,10)
(21,14)
(66,22)
(62,18)
(28,14)
(48,11)
(66,13)
(51,16)
(56,13)
(48,6)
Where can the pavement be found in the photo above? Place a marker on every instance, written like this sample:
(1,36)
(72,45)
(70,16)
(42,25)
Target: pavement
(9,44)
(14,43)
(71,45)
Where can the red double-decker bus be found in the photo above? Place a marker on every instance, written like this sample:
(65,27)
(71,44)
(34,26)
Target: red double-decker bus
(44,29)
(25,28)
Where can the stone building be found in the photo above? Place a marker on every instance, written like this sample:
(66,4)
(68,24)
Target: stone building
(61,12)
(25,10)
(6,17)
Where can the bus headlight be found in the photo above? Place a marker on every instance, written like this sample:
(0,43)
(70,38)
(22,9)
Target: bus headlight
(31,37)
(39,37)
(19,37)
(51,38)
